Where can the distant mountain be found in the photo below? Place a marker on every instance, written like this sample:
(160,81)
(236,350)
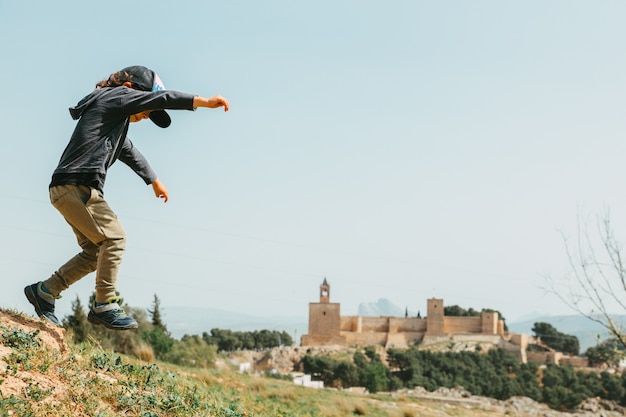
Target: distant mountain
(382,307)
(195,321)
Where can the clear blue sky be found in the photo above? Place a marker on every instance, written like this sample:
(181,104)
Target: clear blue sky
(403,150)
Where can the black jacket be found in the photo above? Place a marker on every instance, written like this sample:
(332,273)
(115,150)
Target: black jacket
(99,138)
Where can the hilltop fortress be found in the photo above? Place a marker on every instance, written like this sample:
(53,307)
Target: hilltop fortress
(328,328)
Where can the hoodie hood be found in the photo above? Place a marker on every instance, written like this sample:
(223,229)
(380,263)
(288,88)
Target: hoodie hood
(85,102)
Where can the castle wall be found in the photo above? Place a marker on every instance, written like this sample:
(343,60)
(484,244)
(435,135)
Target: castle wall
(351,324)
(407,325)
(462,325)
(317,340)
(362,324)
(376,324)
(366,339)
(397,340)
(466,337)
(515,345)
(544,357)
(575,361)
(385,331)
(520,340)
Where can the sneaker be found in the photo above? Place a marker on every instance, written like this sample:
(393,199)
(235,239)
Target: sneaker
(42,301)
(111,316)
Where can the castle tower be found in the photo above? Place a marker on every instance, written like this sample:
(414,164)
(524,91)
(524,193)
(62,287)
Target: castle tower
(324,321)
(434,318)
(489,322)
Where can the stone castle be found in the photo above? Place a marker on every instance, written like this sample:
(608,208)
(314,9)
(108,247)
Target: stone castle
(327,327)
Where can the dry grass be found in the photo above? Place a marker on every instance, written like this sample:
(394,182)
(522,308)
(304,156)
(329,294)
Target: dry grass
(144,352)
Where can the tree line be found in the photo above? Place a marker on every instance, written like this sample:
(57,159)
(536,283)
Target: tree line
(496,374)
(229,341)
(153,340)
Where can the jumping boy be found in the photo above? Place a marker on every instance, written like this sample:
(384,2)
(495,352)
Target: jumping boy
(76,190)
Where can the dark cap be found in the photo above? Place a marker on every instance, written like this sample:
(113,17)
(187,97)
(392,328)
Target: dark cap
(145,79)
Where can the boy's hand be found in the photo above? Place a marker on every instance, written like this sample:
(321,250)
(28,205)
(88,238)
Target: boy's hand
(159,190)
(212,102)
(218,101)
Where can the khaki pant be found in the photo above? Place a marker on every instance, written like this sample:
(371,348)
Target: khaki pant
(100,235)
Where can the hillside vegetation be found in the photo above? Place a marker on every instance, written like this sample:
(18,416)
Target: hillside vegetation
(42,375)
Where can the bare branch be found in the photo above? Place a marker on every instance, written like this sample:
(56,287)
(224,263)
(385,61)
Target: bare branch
(597,280)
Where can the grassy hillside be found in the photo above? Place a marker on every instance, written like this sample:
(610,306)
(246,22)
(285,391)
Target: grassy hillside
(40,375)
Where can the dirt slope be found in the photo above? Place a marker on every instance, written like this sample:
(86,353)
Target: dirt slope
(52,338)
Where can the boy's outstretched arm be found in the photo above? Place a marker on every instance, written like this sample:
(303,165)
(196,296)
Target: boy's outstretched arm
(211,102)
